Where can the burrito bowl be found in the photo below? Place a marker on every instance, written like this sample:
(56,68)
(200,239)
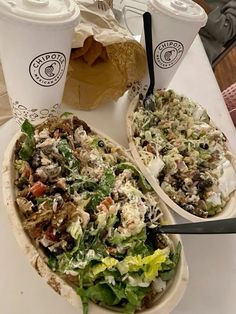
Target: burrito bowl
(86,218)
(183,155)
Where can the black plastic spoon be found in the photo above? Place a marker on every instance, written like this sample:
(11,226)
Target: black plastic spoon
(149,100)
(207,227)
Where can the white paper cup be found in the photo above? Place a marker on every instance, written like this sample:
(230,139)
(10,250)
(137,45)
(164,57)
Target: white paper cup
(175,24)
(35,44)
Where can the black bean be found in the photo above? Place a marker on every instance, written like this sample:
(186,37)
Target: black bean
(101,143)
(203,184)
(161,177)
(156,120)
(189,208)
(184,152)
(36,159)
(36,177)
(208,183)
(196,176)
(56,189)
(136,132)
(45,226)
(164,150)
(145,143)
(184,188)
(204,145)
(58,250)
(93,217)
(179,184)
(70,243)
(107,150)
(165,131)
(64,136)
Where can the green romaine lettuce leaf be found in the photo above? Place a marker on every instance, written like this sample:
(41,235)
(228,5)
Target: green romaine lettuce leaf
(27,128)
(110,295)
(106,263)
(135,295)
(102,293)
(150,265)
(169,266)
(84,299)
(28,146)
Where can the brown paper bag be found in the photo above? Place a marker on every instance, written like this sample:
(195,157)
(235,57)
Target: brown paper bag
(89,86)
(5,109)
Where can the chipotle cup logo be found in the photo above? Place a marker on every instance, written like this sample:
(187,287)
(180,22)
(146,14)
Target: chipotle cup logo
(168,53)
(47,69)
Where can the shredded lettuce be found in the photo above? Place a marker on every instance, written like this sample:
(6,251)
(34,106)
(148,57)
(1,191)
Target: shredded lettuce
(47,199)
(65,150)
(104,189)
(142,182)
(66,114)
(83,183)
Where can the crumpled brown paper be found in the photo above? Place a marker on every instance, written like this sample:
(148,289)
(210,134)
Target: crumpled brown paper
(88,87)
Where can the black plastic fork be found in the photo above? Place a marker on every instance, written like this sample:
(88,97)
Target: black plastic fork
(220,226)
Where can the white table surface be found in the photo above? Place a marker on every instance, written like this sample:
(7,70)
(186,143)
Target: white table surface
(211,259)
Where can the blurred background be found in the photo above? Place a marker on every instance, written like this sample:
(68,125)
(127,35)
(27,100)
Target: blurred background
(129,13)
(225,71)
